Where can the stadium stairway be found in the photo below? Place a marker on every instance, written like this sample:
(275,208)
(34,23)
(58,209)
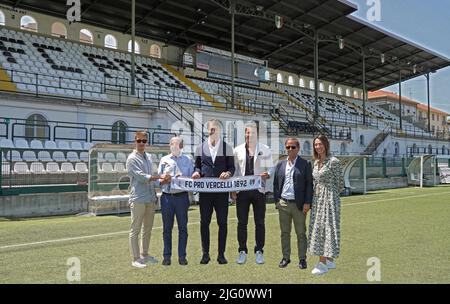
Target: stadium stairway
(193,86)
(5,82)
(375,143)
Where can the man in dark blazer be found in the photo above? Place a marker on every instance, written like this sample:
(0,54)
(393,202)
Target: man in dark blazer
(214,158)
(293,192)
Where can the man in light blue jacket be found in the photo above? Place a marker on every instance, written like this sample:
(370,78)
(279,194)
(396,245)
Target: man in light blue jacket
(142,200)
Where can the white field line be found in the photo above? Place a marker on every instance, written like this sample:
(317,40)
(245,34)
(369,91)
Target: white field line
(194,223)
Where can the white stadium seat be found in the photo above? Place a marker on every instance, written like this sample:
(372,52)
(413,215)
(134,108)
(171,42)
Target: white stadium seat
(63,145)
(81,167)
(109,157)
(76,145)
(119,167)
(84,156)
(29,156)
(107,167)
(52,167)
(50,145)
(6,143)
(67,167)
(13,155)
(21,144)
(72,156)
(44,156)
(88,145)
(21,167)
(36,144)
(6,168)
(121,157)
(37,167)
(58,156)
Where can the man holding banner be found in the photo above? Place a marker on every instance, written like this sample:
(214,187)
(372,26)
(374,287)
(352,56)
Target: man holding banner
(214,158)
(252,158)
(175,202)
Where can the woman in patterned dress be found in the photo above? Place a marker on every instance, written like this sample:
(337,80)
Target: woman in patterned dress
(324,227)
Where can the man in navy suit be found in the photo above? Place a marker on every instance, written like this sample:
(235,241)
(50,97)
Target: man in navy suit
(293,193)
(214,158)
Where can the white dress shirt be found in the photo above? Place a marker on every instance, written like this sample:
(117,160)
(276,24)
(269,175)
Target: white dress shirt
(288,186)
(213,149)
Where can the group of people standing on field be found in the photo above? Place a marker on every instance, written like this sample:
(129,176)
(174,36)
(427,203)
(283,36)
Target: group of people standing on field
(298,187)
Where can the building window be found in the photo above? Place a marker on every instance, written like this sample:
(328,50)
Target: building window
(28,23)
(137,48)
(347,93)
(330,89)
(290,80)
(396,149)
(36,127)
(155,51)
(355,94)
(86,36)
(343,149)
(311,84)
(301,83)
(361,140)
(432,117)
(279,78)
(339,91)
(321,87)
(2,18)
(267,75)
(430,149)
(119,132)
(59,30)
(110,42)
(306,148)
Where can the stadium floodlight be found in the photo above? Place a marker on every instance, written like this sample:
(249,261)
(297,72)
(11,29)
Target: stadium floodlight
(279,21)
(383,58)
(341,43)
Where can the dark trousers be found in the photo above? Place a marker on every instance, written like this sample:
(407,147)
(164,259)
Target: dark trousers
(208,203)
(171,206)
(258,201)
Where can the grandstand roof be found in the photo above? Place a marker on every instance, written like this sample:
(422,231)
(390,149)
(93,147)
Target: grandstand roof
(186,23)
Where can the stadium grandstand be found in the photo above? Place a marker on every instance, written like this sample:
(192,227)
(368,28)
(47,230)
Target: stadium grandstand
(303,67)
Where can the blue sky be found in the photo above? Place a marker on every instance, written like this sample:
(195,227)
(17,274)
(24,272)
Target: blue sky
(426,23)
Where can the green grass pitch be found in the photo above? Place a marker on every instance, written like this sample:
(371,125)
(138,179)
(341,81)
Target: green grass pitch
(406,229)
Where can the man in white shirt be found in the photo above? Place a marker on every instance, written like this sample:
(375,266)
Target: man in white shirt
(252,158)
(293,192)
(214,158)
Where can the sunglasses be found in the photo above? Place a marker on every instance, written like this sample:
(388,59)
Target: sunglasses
(291,147)
(144,141)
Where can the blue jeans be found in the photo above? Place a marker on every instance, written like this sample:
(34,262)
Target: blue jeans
(171,206)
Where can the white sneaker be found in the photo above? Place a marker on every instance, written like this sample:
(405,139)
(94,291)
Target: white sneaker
(149,260)
(331,264)
(242,258)
(259,257)
(138,264)
(319,269)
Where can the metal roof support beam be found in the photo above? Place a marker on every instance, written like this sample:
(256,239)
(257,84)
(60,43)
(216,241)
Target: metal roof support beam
(400,96)
(316,77)
(133,38)
(233,68)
